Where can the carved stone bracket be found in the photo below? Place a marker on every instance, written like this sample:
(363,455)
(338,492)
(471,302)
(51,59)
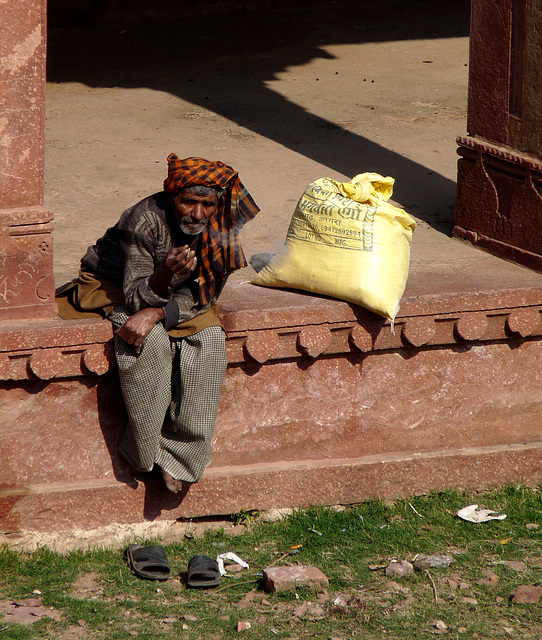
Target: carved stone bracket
(58,349)
(313,341)
(472,326)
(261,345)
(86,349)
(46,364)
(361,339)
(524,322)
(419,331)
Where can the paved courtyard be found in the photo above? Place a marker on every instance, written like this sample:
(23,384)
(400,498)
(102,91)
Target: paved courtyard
(285,96)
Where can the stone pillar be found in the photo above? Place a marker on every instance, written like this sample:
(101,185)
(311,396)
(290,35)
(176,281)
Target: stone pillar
(26,245)
(499,185)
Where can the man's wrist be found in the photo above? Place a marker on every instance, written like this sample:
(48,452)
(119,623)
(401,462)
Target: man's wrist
(160,313)
(154,313)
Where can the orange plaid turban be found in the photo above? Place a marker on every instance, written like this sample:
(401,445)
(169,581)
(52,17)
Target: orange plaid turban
(221,250)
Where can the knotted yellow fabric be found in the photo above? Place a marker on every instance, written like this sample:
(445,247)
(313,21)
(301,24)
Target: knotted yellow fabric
(370,188)
(346,241)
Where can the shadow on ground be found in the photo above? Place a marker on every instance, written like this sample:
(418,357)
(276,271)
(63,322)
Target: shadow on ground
(223,62)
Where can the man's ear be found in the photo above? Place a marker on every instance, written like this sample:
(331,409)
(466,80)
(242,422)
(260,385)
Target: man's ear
(171,195)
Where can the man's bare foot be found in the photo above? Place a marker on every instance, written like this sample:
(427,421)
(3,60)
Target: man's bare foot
(175,486)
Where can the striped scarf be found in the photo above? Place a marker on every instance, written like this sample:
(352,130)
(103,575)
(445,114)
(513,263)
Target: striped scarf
(221,251)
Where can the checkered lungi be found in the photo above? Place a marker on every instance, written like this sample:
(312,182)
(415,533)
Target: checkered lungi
(171,389)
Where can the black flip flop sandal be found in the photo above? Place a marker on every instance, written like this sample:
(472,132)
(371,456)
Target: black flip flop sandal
(203,572)
(149,562)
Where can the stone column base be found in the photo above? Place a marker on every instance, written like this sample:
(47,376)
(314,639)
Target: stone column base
(499,201)
(27,287)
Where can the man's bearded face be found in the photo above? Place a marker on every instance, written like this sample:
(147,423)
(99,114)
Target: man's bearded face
(193,212)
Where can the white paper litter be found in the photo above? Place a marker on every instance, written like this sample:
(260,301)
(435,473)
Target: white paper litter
(473,514)
(229,556)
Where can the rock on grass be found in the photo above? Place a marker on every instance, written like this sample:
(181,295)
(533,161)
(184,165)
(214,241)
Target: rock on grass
(289,578)
(527,594)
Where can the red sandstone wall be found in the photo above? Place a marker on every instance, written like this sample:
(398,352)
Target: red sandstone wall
(22,103)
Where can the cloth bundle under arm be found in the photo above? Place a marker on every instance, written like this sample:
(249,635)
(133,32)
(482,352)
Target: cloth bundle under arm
(221,250)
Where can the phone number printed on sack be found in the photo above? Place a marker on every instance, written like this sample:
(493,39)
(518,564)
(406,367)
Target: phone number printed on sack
(324,229)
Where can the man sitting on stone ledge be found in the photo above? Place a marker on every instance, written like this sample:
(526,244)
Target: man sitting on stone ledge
(156,275)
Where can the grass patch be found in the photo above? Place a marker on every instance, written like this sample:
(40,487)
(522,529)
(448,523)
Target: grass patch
(94,595)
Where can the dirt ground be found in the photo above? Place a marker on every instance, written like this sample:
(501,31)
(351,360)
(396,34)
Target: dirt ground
(284,95)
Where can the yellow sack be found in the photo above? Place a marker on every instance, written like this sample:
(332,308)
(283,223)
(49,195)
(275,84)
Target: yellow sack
(347,242)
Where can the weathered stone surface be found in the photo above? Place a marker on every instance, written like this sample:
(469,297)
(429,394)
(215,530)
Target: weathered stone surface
(55,349)
(525,122)
(517,565)
(498,205)
(92,502)
(436,560)
(61,432)
(44,364)
(26,262)
(243,625)
(361,338)
(472,326)
(399,569)
(527,594)
(489,69)
(22,103)
(347,407)
(292,577)
(491,578)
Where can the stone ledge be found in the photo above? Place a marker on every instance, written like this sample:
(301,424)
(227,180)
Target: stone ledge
(323,403)
(227,490)
(279,325)
(499,248)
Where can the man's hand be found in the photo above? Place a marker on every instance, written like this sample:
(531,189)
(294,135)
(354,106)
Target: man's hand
(180,261)
(138,326)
